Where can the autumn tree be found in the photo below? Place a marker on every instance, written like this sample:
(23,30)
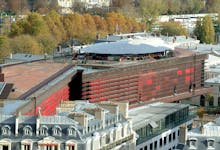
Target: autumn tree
(173,28)
(25,44)
(18,6)
(213,6)
(3,5)
(205,30)
(54,23)
(4,47)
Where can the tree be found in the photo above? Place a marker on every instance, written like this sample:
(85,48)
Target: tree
(25,44)
(2,5)
(201,112)
(173,28)
(205,30)
(18,6)
(41,6)
(198,29)
(213,6)
(4,47)
(151,9)
(55,24)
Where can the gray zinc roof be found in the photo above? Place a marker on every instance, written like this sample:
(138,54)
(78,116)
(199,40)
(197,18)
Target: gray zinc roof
(138,45)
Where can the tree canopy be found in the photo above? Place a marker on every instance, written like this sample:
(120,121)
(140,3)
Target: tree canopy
(205,30)
(173,28)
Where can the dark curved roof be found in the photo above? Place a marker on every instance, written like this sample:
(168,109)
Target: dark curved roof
(129,46)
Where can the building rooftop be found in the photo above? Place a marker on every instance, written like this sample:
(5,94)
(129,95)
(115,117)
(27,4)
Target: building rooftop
(153,112)
(136,45)
(27,75)
(215,80)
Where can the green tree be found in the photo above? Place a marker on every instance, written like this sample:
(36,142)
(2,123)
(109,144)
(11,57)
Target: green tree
(4,47)
(198,29)
(173,28)
(205,30)
(151,9)
(25,44)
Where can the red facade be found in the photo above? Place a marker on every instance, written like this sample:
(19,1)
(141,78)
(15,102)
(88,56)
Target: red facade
(146,81)
(49,105)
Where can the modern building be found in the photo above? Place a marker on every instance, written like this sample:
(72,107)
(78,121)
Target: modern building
(204,137)
(77,126)
(139,70)
(157,125)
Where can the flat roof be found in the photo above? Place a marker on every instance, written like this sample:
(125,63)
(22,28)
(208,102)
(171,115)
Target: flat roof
(153,112)
(27,75)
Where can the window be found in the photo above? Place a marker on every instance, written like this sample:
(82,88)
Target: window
(210,143)
(26,147)
(174,135)
(161,142)
(155,145)
(165,140)
(145,148)
(57,131)
(170,137)
(151,146)
(192,143)
(27,130)
(71,131)
(43,131)
(6,130)
(71,147)
(218,101)
(141,148)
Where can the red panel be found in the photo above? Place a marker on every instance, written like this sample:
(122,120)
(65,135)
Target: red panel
(187,71)
(149,82)
(179,72)
(187,78)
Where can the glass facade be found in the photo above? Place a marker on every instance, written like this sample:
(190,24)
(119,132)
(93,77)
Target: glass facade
(170,121)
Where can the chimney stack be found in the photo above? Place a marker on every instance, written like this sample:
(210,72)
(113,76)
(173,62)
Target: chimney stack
(183,134)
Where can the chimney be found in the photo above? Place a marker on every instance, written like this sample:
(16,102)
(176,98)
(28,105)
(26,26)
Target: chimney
(17,123)
(38,121)
(113,108)
(183,134)
(100,114)
(123,109)
(82,118)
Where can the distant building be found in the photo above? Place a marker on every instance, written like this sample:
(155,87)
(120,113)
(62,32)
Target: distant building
(77,126)
(24,57)
(157,125)
(67,5)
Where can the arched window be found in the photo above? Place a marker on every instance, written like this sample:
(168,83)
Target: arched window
(57,131)
(71,131)
(6,130)
(27,130)
(43,130)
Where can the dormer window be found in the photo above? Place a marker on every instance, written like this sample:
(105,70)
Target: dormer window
(192,143)
(57,131)
(27,130)
(210,143)
(71,131)
(44,131)
(6,130)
